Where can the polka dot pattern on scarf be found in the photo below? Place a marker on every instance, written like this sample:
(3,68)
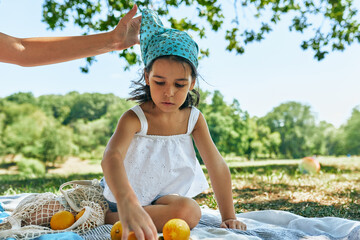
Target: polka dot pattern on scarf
(156,40)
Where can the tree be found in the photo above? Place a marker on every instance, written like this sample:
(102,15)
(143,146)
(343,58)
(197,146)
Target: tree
(220,122)
(2,126)
(352,133)
(22,132)
(57,106)
(115,110)
(296,126)
(88,136)
(331,24)
(21,97)
(89,106)
(323,139)
(55,142)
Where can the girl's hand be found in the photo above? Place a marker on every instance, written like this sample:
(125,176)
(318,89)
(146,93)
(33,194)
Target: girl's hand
(234,224)
(133,217)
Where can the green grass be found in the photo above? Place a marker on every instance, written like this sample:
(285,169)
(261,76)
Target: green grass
(278,184)
(258,185)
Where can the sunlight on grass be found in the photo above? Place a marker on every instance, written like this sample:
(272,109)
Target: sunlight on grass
(278,184)
(257,185)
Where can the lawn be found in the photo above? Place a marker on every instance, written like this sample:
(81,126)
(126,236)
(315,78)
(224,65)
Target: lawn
(257,185)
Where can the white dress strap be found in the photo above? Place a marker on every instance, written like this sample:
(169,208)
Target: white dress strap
(141,115)
(194,116)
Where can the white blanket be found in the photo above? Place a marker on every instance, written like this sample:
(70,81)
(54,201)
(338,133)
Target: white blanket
(268,224)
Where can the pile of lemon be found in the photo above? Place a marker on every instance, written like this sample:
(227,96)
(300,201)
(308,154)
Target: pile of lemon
(174,229)
(64,219)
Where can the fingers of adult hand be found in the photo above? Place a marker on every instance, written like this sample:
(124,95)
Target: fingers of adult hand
(135,26)
(129,15)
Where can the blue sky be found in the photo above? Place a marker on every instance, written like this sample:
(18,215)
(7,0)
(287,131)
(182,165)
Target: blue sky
(271,72)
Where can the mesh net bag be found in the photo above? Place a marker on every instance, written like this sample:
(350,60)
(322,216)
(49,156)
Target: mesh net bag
(32,216)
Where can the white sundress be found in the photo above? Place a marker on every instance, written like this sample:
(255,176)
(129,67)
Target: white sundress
(162,165)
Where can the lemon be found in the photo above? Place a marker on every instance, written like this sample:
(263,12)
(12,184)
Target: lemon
(79,215)
(62,220)
(176,229)
(116,231)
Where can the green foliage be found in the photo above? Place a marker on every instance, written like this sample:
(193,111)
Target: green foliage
(21,98)
(23,127)
(235,132)
(57,106)
(296,126)
(115,110)
(89,136)
(330,25)
(55,142)
(88,106)
(31,167)
(352,133)
(55,126)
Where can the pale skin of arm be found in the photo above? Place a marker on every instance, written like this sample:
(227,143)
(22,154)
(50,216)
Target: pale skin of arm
(131,214)
(28,52)
(219,174)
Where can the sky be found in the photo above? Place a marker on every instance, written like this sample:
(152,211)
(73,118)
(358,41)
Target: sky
(271,72)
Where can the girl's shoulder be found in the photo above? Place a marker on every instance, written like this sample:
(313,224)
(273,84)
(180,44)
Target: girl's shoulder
(200,121)
(130,121)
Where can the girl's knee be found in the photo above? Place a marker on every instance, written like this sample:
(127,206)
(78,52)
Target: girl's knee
(188,210)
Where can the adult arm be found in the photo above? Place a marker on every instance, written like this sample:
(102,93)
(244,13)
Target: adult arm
(219,174)
(29,52)
(131,213)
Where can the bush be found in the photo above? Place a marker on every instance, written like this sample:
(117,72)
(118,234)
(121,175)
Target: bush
(31,167)
(96,153)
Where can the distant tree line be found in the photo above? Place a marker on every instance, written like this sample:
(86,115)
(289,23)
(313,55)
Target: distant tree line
(51,127)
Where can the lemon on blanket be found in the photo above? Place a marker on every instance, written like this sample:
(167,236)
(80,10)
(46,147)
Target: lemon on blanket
(79,215)
(62,220)
(116,231)
(132,236)
(176,229)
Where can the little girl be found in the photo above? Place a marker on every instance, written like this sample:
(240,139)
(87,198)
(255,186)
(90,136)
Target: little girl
(150,168)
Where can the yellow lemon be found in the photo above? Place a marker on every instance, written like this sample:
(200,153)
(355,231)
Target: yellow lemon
(116,231)
(176,229)
(79,215)
(62,220)
(132,236)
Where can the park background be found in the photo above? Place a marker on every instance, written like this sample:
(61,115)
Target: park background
(275,101)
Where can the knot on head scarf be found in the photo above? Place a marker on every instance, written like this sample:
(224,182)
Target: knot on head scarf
(156,40)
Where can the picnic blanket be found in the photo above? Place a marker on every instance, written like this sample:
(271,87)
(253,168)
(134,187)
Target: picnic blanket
(267,224)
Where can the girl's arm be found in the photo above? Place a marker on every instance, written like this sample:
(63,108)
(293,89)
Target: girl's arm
(219,174)
(29,52)
(131,213)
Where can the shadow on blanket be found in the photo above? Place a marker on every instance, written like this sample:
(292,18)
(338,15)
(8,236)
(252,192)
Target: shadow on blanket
(268,224)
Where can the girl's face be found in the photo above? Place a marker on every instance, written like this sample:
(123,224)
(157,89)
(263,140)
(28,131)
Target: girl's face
(169,82)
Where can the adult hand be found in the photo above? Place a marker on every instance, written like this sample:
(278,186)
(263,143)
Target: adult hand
(126,33)
(133,217)
(234,224)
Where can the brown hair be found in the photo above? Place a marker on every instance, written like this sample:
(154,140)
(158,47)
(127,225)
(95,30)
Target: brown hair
(141,93)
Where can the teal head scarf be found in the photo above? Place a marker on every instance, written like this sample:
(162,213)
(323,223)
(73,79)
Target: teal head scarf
(156,40)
